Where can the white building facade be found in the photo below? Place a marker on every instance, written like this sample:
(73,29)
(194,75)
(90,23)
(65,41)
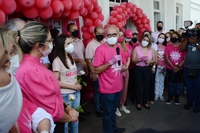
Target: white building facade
(171,12)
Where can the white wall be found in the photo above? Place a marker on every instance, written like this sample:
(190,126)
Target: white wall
(195,11)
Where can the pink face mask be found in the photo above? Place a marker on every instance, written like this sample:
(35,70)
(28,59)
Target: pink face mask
(120,39)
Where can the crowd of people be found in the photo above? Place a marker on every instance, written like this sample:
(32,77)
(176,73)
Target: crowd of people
(43,74)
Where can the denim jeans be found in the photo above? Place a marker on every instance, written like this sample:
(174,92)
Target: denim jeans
(109,104)
(143,79)
(159,82)
(193,89)
(74,104)
(96,95)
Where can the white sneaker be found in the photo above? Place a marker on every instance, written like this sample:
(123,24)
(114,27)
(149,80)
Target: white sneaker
(123,108)
(156,98)
(118,113)
(162,98)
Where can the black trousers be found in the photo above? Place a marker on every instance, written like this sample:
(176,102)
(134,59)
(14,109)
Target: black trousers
(60,127)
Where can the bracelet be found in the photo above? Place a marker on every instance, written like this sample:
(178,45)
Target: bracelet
(44,132)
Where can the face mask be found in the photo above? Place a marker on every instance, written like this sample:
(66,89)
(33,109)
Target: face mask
(11,104)
(161,40)
(14,64)
(70,48)
(127,39)
(99,37)
(145,43)
(120,39)
(75,33)
(168,39)
(47,52)
(174,40)
(134,40)
(111,40)
(159,28)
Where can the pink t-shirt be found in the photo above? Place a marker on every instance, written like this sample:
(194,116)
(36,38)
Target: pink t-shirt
(125,54)
(161,58)
(174,55)
(140,54)
(78,53)
(131,49)
(68,76)
(110,81)
(40,86)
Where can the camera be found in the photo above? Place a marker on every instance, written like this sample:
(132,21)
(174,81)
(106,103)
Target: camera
(190,32)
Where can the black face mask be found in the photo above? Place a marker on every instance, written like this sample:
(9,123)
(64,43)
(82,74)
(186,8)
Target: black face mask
(174,40)
(134,40)
(159,28)
(75,33)
(99,37)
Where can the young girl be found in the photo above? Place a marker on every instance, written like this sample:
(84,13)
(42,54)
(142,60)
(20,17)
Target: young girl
(160,73)
(144,58)
(65,70)
(175,60)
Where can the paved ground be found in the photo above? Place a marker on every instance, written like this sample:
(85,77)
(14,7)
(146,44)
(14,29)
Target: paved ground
(161,117)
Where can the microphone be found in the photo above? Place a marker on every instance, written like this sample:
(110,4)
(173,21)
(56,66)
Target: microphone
(118,53)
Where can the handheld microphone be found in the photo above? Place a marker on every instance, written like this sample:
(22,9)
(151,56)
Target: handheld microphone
(118,53)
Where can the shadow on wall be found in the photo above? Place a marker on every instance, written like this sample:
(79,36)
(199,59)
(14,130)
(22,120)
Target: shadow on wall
(148,130)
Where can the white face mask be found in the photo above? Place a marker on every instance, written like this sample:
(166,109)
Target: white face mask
(70,48)
(111,40)
(14,64)
(168,39)
(161,40)
(47,52)
(144,43)
(127,39)
(11,104)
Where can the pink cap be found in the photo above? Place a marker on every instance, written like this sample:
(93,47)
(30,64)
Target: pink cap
(128,34)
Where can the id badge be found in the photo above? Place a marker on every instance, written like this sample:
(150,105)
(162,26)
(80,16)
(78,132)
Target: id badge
(194,49)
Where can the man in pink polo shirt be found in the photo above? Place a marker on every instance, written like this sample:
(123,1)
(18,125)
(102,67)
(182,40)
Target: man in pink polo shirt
(89,55)
(108,65)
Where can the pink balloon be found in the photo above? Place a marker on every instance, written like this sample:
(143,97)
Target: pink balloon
(73,15)
(8,6)
(46,13)
(114,13)
(93,15)
(115,8)
(113,20)
(84,28)
(140,15)
(119,10)
(101,17)
(57,7)
(42,3)
(94,2)
(2,17)
(119,25)
(31,12)
(97,22)
(67,4)
(98,9)
(123,7)
(119,17)
(88,22)
(76,5)
(140,25)
(82,11)
(19,7)
(1,2)
(146,25)
(89,8)
(144,20)
(138,21)
(91,29)
(27,3)
(87,2)
(86,36)
(66,13)
(57,15)
(128,10)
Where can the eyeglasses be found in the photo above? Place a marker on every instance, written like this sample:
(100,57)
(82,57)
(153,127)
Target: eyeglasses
(111,35)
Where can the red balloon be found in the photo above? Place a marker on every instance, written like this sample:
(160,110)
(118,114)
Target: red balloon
(123,7)
(128,10)
(140,25)
(138,11)
(140,15)
(94,2)
(84,13)
(90,8)
(2,17)
(134,18)
(114,13)
(119,17)
(76,5)
(98,9)
(87,22)
(86,36)
(42,3)
(115,8)
(31,12)
(67,4)
(73,15)
(144,20)
(93,15)
(97,22)
(148,21)
(119,25)
(57,7)
(113,20)
(101,17)
(66,13)
(57,15)
(8,6)
(146,25)
(91,29)
(87,2)
(19,7)
(138,21)
(27,3)
(119,10)
(1,2)
(46,13)
(84,28)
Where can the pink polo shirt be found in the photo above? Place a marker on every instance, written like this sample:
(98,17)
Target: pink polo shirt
(110,81)
(78,53)
(40,86)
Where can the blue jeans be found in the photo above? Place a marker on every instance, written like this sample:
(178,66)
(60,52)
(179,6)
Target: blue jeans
(109,103)
(193,89)
(74,104)
(96,95)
